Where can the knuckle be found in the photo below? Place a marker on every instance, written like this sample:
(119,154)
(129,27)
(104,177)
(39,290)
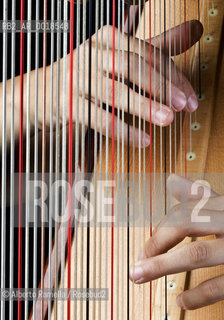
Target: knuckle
(198,253)
(211,290)
(159,89)
(152,247)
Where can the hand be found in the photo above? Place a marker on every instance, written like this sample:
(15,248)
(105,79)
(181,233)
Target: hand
(182,93)
(155,261)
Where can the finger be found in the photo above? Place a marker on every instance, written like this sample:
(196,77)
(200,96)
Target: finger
(179,224)
(102,121)
(207,293)
(175,79)
(179,92)
(191,30)
(181,189)
(139,105)
(192,256)
(174,95)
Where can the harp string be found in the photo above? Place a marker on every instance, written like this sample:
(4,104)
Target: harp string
(150,147)
(139,143)
(185,72)
(144,130)
(170,91)
(128,162)
(101,143)
(95,154)
(77,145)
(64,149)
(43,163)
(12,163)
(36,157)
(27,160)
(51,166)
(181,113)
(89,149)
(70,151)
(4,159)
(82,260)
(113,158)
(20,160)
(175,79)
(132,236)
(118,161)
(107,144)
(122,164)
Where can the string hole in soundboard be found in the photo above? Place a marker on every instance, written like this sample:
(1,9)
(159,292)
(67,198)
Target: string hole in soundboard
(191,156)
(171,285)
(208,38)
(213,12)
(195,126)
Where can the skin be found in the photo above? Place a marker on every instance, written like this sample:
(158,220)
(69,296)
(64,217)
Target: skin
(182,97)
(156,260)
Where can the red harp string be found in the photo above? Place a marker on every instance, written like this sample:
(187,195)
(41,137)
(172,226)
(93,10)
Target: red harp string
(185,72)
(20,158)
(150,134)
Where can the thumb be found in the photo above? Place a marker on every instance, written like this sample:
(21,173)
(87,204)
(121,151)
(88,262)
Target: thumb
(181,189)
(181,37)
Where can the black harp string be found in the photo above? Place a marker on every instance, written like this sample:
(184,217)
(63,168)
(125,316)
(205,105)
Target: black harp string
(128,160)
(165,155)
(89,150)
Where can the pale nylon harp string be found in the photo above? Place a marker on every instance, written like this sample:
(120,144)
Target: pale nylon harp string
(27,237)
(83,150)
(117,174)
(107,147)
(4,159)
(88,258)
(175,75)
(57,151)
(181,113)
(12,164)
(132,251)
(77,144)
(139,143)
(153,205)
(63,228)
(122,164)
(43,161)
(170,81)
(165,141)
(144,152)
(95,156)
(36,159)
(101,143)
(128,166)
(51,166)
(160,129)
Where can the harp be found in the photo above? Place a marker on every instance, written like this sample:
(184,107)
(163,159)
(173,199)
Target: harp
(98,191)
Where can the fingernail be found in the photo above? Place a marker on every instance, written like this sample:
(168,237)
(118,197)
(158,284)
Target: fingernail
(142,256)
(192,103)
(179,302)
(179,101)
(136,273)
(163,115)
(145,140)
